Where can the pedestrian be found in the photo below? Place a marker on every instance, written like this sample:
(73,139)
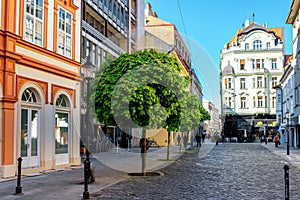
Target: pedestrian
(276,140)
(185,141)
(266,139)
(198,139)
(178,139)
(203,137)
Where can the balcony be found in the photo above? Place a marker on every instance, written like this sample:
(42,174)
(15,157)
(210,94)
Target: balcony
(99,36)
(259,70)
(132,14)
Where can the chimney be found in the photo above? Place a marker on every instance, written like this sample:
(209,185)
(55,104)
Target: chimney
(246,23)
(148,9)
(265,25)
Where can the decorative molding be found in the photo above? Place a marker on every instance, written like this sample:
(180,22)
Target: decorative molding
(21,81)
(56,88)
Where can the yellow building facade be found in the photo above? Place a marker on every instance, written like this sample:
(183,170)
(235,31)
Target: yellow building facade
(163,36)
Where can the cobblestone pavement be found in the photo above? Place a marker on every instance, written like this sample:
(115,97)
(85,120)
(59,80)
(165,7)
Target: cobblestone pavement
(229,171)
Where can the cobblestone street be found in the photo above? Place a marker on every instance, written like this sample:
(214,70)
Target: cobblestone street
(229,171)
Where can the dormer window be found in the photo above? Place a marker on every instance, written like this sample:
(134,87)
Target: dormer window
(247,46)
(257,45)
(268,45)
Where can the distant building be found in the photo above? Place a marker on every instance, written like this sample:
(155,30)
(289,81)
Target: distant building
(291,84)
(109,27)
(212,126)
(251,65)
(39,85)
(164,37)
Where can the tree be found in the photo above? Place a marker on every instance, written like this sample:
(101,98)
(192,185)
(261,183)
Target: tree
(145,89)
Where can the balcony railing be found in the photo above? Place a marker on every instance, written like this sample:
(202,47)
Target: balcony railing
(101,37)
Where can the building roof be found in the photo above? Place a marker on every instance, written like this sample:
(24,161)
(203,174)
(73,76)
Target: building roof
(293,12)
(278,32)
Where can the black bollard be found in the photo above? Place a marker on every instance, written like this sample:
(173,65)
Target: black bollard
(287,182)
(86,194)
(19,188)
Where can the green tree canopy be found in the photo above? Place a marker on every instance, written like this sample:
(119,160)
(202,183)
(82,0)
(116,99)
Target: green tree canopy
(146,89)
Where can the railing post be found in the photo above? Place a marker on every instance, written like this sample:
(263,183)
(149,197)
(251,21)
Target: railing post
(86,194)
(19,188)
(287,182)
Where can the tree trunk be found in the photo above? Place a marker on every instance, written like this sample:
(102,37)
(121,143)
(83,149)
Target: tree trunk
(180,142)
(168,150)
(144,152)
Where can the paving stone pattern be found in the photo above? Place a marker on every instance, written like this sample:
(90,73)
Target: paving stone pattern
(229,171)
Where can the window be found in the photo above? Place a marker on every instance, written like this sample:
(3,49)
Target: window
(274,81)
(273,102)
(29,96)
(34,21)
(229,83)
(268,45)
(242,64)
(259,101)
(258,63)
(87,48)
(298,95)
(253,82)
(274,63)
(266,101)
(98,57)
(243,102)
(29,127)
(226,85)
(279,98)
(243,83)
(247,46)
(257,45)
(62,125)
(259,82)
(64,32)
(229,102)
(254,104)
(93,54)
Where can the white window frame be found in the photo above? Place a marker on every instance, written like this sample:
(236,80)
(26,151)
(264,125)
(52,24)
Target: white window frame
(259,82)
(274,63)
(63,47)
(243,83)
(257,45)
(260,101)
(32,16)
(243,102)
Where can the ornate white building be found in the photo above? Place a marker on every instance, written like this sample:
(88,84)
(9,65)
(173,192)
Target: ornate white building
(251,65)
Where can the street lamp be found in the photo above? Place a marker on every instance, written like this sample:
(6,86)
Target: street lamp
(88,74)
(287,114)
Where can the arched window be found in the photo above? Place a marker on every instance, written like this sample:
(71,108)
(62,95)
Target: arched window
(29,96)
(30,128)
(62,127)
(257,45)
(61,101)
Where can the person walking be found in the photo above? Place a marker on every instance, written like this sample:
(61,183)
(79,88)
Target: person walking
(198,139)
(276,140)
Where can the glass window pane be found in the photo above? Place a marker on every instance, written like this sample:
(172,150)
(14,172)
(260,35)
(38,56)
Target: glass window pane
(39,12)
(34,132)
(68,23)
(38,33)
(24,132)
(61,132)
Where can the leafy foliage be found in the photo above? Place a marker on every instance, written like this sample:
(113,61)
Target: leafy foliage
(146,89)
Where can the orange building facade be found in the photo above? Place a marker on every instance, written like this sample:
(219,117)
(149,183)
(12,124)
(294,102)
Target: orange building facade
(39,84)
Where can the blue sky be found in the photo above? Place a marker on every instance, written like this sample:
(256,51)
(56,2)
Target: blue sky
(209,24)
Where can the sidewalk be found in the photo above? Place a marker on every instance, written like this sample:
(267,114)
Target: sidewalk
(110,168)
(292,159)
